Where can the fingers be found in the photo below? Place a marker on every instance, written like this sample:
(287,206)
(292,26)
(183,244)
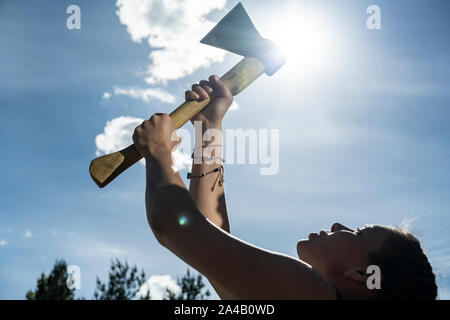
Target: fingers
(191,95)
(219,87)
(202,93)
(206,86)
(159,116)
(199,91)
(136,132)
(203,89)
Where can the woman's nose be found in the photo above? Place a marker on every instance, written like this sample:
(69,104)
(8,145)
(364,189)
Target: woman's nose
(337,227)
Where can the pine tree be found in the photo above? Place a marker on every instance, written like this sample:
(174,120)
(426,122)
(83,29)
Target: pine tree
(53,287)
(191,288)
(124,283)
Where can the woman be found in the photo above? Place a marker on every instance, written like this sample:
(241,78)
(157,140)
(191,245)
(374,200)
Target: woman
(194,225)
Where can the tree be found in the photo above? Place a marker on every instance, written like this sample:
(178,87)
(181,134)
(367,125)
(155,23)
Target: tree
(53,287)
(124,283)
(191,288)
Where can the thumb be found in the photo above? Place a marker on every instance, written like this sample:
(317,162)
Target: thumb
(219,87)
(175,138)
(179,141)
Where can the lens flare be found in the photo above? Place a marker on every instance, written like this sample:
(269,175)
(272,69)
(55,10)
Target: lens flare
(304,35)
(182,221)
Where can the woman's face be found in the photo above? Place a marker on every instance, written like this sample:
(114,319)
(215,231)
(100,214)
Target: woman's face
(333,252)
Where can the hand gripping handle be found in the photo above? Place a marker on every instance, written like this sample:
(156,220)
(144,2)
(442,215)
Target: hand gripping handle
(106,168)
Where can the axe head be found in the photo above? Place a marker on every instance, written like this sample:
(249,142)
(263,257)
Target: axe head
(236,33)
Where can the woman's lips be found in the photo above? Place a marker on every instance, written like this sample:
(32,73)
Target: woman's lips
(313,236)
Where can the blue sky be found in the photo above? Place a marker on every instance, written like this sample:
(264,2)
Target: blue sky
(364,131)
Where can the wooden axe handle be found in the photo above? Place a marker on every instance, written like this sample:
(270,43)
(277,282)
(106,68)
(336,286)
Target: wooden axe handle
(106,168)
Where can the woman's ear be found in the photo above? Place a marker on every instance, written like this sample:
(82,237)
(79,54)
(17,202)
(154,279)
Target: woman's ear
(356,274)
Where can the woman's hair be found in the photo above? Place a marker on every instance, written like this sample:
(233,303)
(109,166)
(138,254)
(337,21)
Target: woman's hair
(406,272)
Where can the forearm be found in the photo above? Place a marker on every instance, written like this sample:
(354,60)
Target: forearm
(209,200)
(159,175)
(207,192)
(171,211)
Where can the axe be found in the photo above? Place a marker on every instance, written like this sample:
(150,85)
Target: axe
(235,33)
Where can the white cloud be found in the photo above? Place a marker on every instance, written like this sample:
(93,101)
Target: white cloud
(106,96)
(146,94)
(28,234)
(181,160)
(173,28)
(234,105)
(158,285)
(118,135)
(3,243)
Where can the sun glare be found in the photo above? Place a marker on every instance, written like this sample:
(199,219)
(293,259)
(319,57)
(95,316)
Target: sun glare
(303,36)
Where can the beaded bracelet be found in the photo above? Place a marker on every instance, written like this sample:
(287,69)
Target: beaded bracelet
(219,178)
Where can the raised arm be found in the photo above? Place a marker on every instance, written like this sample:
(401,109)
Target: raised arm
(208,191)
(241,269)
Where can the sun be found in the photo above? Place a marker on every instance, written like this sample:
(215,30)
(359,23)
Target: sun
(304,36)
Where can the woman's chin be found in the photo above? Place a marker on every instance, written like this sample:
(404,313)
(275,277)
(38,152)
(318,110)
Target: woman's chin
(307,247)
(301,246)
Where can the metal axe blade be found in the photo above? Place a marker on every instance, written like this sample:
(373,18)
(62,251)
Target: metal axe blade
(236,33)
